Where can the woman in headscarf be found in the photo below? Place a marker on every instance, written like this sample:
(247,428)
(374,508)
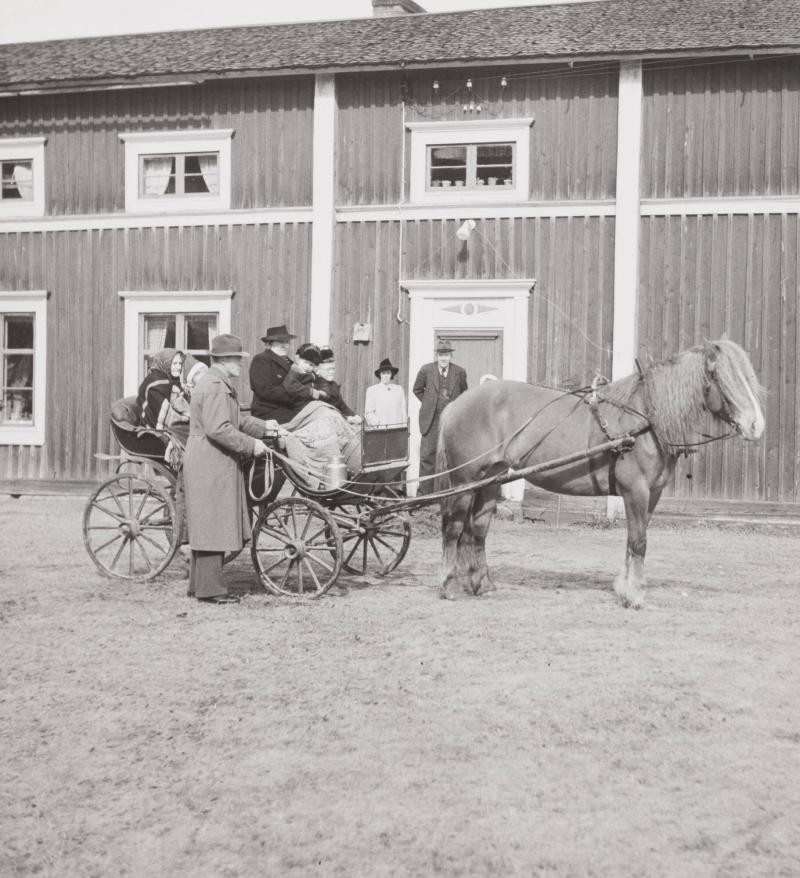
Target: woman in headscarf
(160,385)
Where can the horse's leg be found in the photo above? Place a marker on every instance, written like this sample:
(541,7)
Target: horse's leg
(482,514)
(454,516)
(630,582)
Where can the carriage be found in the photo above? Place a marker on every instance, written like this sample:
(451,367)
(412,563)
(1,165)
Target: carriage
(302,536)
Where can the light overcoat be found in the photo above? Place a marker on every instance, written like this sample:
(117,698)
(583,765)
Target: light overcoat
(219,439)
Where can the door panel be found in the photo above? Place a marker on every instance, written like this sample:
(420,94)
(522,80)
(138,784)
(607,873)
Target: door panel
(480,352)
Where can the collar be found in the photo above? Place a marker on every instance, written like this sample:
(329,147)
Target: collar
(277,358)
(224,376)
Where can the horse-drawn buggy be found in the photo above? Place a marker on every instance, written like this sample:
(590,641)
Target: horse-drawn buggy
(305,531)
(618,439)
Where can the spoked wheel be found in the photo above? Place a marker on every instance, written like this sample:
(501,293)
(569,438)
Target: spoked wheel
(130,528)
(372,547)
(297,548)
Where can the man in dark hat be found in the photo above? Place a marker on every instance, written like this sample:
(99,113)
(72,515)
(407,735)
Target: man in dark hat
(436,386)
(267,372)
(299,380)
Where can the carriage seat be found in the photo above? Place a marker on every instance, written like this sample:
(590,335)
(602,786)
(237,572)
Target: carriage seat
(125,413)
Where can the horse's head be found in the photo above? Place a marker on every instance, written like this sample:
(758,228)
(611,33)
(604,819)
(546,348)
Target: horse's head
(731,389)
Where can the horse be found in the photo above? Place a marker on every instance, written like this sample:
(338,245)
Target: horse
(522,425)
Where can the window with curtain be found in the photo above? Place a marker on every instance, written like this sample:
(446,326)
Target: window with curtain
(17,180)
(18,339)
(470,165)
(187,332)
(181,174)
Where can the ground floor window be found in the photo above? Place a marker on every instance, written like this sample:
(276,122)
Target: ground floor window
(186,321)
(190,333)
(22,367)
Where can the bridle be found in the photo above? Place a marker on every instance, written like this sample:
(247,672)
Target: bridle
(724,411)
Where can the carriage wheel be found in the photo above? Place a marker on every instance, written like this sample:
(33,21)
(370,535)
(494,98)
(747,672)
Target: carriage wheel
(297,548)
(372,548)
(130,528)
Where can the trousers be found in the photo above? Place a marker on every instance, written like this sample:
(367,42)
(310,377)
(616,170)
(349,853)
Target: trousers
(427,457)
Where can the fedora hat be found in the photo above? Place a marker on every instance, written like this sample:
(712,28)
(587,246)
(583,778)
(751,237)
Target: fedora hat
(386,366)
(444,347)
(277,333)
(227,345)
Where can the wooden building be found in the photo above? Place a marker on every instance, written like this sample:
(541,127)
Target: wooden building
(639,162)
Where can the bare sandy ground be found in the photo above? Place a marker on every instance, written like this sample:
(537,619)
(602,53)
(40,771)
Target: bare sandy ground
(542,731)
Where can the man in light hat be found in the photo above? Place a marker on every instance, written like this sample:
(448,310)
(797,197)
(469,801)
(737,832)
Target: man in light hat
(436,386)
(219,437)
(267,372)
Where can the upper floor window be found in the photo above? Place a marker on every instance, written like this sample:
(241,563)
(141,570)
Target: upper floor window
(22,367)
(22,176)
(472,160)
(177,170)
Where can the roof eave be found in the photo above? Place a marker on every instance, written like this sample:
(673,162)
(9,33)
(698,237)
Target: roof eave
(199,77)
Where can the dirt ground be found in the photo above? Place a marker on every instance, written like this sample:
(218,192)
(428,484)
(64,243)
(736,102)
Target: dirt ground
(544,730)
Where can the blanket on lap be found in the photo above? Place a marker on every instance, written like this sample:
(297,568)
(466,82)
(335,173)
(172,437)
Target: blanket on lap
(317,433)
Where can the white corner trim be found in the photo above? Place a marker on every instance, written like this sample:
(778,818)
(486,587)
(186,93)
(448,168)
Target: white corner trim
(138,302)
(138,143)
(324,161)
(26,302)
(25,149)
(626,232)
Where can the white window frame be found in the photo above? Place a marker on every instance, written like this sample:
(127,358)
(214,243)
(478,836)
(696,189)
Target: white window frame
(140,302)
(190,141)
(470,131)
(30,302)
(28,149)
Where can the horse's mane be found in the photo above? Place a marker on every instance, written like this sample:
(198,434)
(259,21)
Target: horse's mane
(672,396)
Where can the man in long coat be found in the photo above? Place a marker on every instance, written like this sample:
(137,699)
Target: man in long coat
(437,384)
(219,438)
(267,372)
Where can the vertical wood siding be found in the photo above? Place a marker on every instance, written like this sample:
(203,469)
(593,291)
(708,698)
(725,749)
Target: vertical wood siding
(573,138)
(570,315)
(268,267)
(705,276)
(272,121)
(721,128)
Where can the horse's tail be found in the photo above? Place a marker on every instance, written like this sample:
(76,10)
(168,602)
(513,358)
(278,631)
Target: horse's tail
(442,481)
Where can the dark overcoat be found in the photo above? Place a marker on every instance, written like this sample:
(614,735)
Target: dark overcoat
(219,439)
(426,390)
(270,399)
(334,396)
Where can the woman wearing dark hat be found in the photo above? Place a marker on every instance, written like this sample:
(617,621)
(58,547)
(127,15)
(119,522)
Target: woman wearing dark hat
(267,372)
(325,380)
(299,380)
(219,437)
(385,403)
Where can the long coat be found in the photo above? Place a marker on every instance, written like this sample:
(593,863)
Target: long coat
(219,437)
(270,399)
(426,389)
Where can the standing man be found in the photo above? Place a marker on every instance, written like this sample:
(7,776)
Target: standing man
(219,438)
(267,371)
(436,386)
